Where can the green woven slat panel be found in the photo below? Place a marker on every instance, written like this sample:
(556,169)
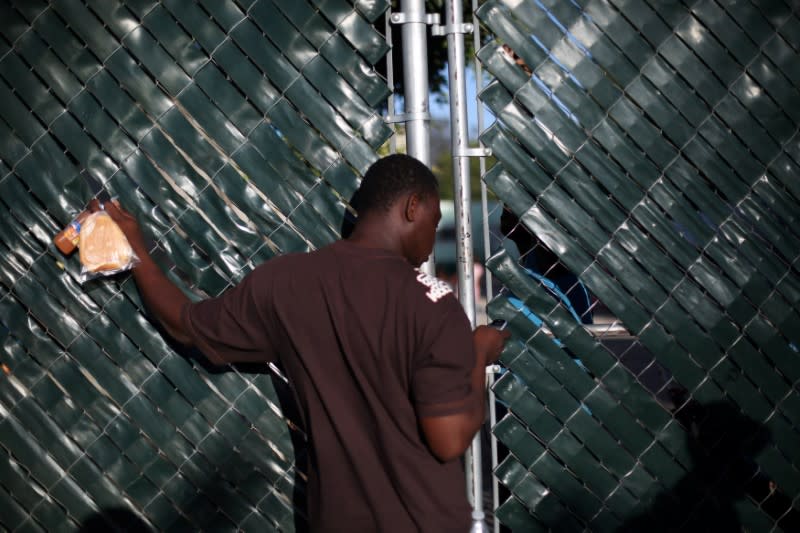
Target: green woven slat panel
(653,148)
(235,131)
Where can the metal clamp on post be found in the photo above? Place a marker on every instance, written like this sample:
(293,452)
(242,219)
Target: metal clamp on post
(405,117)
(440,31)
(473,152)
(432,19)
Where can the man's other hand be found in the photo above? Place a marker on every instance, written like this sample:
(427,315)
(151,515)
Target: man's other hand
(490,341)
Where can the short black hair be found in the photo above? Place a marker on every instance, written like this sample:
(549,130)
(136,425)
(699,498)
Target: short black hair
(391,177)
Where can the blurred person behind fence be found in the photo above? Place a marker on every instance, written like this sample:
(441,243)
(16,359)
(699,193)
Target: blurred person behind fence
(542,265)
(387,374)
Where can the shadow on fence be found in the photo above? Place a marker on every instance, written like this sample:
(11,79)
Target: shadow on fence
(723,444)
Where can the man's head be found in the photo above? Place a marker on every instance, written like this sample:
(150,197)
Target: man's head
(399,200)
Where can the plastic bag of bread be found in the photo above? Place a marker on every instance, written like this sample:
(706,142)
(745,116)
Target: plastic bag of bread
(103,248)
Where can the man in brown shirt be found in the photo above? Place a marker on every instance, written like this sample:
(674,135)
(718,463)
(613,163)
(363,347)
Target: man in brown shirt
(388,376)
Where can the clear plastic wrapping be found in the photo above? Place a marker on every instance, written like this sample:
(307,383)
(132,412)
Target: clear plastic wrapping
(103,248)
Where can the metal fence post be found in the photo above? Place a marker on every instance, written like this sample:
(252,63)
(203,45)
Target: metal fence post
(416,112)
(455,28)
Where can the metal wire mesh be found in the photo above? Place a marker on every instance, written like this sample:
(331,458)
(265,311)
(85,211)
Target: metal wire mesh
(235,130)
(652,147)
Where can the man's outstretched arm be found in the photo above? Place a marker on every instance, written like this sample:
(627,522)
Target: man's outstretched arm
(160,295)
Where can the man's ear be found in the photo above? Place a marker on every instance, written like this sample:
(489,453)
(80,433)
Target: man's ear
(412,203)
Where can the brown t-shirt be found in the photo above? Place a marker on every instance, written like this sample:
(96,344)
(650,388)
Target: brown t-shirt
(369,345)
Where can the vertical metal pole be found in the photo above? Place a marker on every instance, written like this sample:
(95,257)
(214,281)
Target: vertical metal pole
(415,81)
(390,80)
(454,28)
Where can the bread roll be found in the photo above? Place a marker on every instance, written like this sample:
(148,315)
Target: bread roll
(103,247)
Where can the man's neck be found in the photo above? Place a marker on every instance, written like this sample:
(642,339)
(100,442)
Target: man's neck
(377,236)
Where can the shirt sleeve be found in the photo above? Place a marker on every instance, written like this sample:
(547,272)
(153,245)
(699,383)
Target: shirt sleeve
(235,326)
(442,376)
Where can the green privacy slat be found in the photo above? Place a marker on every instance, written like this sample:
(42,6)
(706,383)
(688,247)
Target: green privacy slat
(514,513)
(529,488)
(40,346)
(43,469)
(501,104)
(141,7)
(286,200)
(83,148)
(179,45)
(358,154)
(580,461)
(12,149)
(730,36)
(191,17)
(31,10)
(127,73)
(354,28)
(294,45)
(185,256)
(63,83)
(277,235)
(733,257)
(88,28)
(152,56)
(24,495)
(191,141)
(288,79)
(14,24)
(736,117)
(114,14)
(277,68)
(104,130)
(644,134)
(680,57)
(783,57)
(247,78)
(619,63)
(66,46)
(32,91)
(226,13)
(195,186)
(15,514)
(350,66)
(35,224)
(372,9)
(676,90)
(672,125)
(225,97)
(614,27)
(780,200)
(15,114)
(752,21)
(781,17)
(320,73)
(117,103)
(575,258)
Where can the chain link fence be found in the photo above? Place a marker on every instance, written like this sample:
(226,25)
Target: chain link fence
(648,160)
(648,155)
(235,131)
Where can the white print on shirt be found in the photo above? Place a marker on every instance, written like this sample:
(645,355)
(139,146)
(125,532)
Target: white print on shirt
(437,289)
